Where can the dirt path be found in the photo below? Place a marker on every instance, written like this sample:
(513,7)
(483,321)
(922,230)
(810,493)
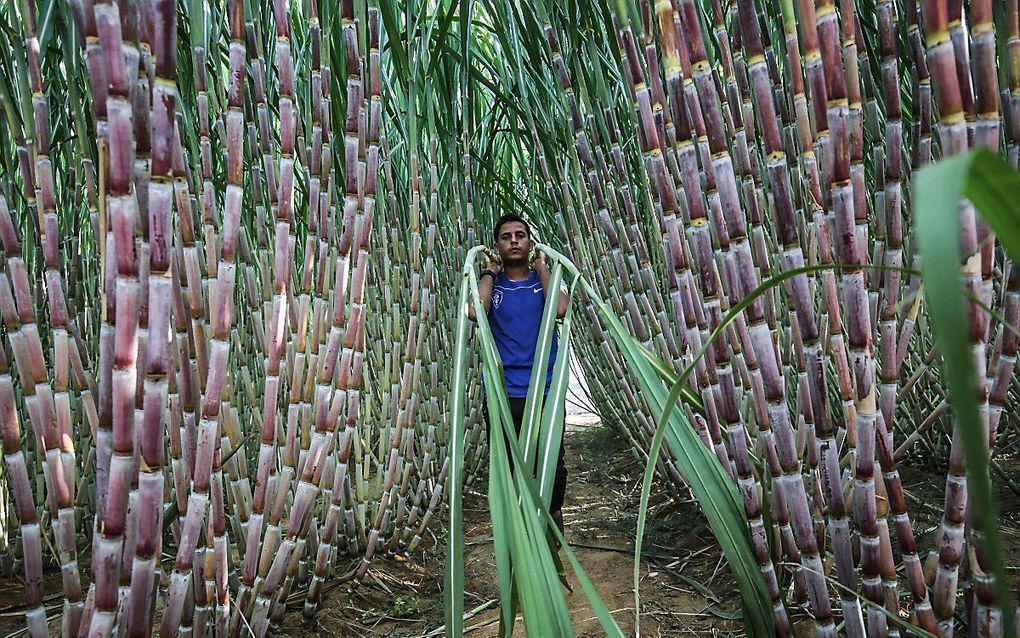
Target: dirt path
(685,591)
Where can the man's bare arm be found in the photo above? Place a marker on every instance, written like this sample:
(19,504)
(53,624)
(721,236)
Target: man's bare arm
(485,285)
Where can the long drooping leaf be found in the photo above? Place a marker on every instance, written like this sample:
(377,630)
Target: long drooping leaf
(554,412)
(527,569)
(453,583)
(992,186)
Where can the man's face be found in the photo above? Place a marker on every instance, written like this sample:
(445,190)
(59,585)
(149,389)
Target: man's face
(513,243)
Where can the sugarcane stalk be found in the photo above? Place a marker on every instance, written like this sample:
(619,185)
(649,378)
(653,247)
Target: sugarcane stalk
(414,529)
(891,362)
(984,126)
(940,55)
(62,477)
(120,58)
(160,201)
(369,126)
(14,458)
(207,437)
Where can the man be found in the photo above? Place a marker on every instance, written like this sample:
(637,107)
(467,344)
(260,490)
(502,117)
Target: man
(513,293)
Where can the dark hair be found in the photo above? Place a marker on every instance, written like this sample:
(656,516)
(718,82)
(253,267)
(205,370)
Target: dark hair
(506,219)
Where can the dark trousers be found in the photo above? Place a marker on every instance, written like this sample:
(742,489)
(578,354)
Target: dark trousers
(560,481)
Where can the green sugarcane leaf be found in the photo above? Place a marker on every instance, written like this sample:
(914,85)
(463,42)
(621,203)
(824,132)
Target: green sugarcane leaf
(698,587)
(499,506)
(555,410)
(453,581)
(726,615)
(444,29)
(499,511)
(609,625)
(395,39)
(711,485)
(534,577)
(47,17)
(539,369)
(501,546)
(986,180)
(992,185)
(527,565)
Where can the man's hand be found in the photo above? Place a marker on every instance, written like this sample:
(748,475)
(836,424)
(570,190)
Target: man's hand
(492,261)
(539,263)
(541,266)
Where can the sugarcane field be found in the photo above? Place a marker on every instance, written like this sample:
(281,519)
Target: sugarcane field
(502,318)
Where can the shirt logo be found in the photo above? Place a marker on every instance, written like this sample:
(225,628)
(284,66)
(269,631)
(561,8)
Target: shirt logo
(497,298)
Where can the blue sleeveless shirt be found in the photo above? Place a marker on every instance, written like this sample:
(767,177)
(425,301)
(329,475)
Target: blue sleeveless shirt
(515,316)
